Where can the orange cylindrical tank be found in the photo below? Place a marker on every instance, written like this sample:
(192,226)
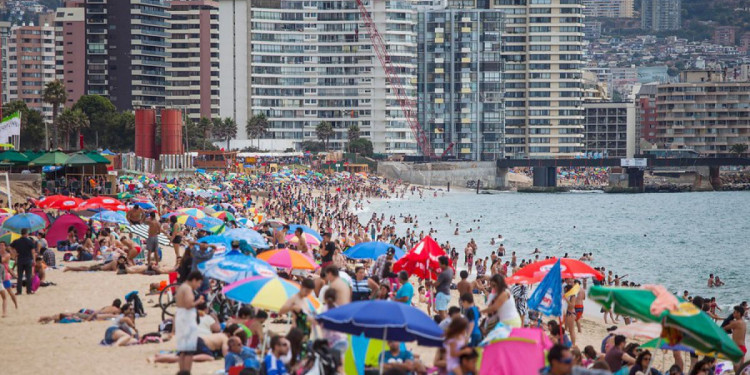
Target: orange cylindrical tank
(145,133)
(171,131)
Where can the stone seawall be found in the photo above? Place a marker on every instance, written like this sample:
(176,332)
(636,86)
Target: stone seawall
(458,174)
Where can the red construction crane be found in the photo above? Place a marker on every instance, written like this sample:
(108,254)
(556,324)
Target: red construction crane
(408,106)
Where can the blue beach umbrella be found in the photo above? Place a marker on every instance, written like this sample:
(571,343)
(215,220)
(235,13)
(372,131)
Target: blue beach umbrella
(145,205)
(28,221)
(306,229)
(372,250)
(385,320)
(252,237)
(217,240)
(234,266)
(111,217)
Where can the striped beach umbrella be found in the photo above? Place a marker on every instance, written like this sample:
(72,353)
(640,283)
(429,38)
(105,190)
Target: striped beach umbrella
(289,259)
(268,293)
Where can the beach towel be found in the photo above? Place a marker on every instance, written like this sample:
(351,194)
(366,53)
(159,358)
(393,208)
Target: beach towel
(186,329)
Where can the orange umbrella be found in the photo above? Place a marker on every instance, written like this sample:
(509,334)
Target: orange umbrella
(286,258)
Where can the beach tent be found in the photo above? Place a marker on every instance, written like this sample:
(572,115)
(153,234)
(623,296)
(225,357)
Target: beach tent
(14,157)
(50,158)
(59,229)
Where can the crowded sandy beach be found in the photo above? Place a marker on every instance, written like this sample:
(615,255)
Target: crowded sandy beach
(274,272)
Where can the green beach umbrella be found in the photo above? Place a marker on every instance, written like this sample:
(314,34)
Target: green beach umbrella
(14,157)
(51,158)
(78,159)
(698,330)
(660,343)
(97,157)
(124,195)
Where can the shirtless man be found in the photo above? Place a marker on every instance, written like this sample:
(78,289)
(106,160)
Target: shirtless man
(186,320)
(739,328)
(343,292)
(129,246)
(711,280)
(302,243)
(152,243)
(298,305)
(208,348)
(464,286)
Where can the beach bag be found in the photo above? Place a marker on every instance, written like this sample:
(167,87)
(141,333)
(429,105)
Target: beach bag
(35,282)
(151,338)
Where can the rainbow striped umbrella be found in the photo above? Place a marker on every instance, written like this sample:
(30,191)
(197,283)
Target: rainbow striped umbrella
(188,220)
(286,258)
(268,293)
(224,215)
(194,212)
(9,237)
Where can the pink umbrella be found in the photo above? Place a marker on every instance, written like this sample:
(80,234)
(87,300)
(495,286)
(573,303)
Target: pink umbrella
(286,258)
(522,353)
(309,239)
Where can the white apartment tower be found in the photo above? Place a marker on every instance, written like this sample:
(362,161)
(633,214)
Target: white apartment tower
(301,62)
(542,50)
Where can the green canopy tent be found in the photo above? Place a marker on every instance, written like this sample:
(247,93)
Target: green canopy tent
(79,160)
(13,157)
(51,158)
(33,154)
(97,157)
(696,328)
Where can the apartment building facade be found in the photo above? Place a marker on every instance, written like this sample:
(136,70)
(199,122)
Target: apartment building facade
(460,82)
(704,113)
(610,129)
(31,64)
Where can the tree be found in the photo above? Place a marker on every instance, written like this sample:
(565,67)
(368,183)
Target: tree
(224,130)
(738,149)
(312,146)
(256,127)
(107,126)
(361,146)
(32,125)
(54,94)
(325,132)
(71,121)
(352,134)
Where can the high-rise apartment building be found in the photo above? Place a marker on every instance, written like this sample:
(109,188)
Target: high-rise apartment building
(542,50)
(660,15)
(646,120)
(4,38)
(304,62)
(460,81)
(608,8)
(193,58)
(703,113)
(725,35)
(70,49)
(610,129)
(127,51)
(31,64)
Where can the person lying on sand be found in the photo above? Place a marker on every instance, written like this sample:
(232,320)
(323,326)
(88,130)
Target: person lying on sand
(106,312)
(151,269)
(208,349)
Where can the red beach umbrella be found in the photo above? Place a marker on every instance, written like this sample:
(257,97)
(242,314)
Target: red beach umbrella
(105,203)
(571,269)
(422,260)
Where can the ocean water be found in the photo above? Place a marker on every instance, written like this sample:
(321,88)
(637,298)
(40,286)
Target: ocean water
(674,239)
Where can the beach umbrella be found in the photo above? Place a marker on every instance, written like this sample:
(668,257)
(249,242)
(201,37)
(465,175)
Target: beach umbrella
(60,202)
(24,221)
(224,215)
(305,229)
(124,195)
(188,221)
(252,237)
(307,237)
(682,322)
(9,237)
(14,157)
(569,268)
(422,260)
(103,203)
(274,223)
(385,320)
(372,250)
(198,214)
(521,353)
(95,156)
(524,280)
(144,205)
(660,343)
(50,158)
(217,240)
(111,217)
(233,266)
(289,259)
(6,210)
(78,159)
(268,293)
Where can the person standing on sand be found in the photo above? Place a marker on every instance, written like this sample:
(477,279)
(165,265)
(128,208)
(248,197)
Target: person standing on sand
(443,287)
(186,320)
(25,255)
(580,297)
(738,327)
(152,242)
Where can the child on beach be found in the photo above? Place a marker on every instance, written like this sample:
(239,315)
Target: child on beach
(455,344)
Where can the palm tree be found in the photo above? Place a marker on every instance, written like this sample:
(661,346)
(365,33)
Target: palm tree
(352,134)
(71,121)
(324,131)
(738,149)
(225,129)
(54,94)
(256,127)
